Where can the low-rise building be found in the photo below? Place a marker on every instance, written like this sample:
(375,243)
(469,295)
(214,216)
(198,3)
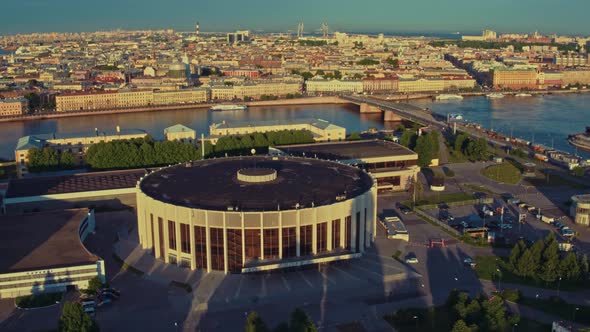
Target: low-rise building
(128,99)
(514,79)
(254,90)
(319,85)
(77,144)
(409,85)
(580,209)
(11,107)
(180,133)
(394,166)
(380,85)
(320,129)
(44,253)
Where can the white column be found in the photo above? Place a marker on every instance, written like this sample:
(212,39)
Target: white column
(243,240)
(314,232)
(156,237)
(177,236)
(298,233)
(343,232)
(280,235)
(165,238)
(329,236)
(225,268)
(353,222)
(141,229)
(208,237)
(192,240)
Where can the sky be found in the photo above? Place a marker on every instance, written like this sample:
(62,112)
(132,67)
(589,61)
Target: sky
(420,16)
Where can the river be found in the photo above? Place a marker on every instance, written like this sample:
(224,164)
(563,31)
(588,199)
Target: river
(547,120)
(199,119)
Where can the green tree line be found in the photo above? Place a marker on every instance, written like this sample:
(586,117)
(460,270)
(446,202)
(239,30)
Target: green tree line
(298,322)
(460,313)
(137,153)
(47,159)
(542,261)
(497,44)
(425,145)
(474,150)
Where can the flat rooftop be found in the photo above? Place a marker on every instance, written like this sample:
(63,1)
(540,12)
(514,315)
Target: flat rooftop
(212,184)
(319,123)
(362,149)
(37,241)
(63,184)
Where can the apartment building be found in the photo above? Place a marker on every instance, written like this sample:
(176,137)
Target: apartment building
(514,79)
(409,85)
(11,107)
(127,99)
(318,86)
(253,90)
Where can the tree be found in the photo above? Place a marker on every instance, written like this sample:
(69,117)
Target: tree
(569,267)
(578,171)
(460,326)
(300,322)
(34,101)
(550,265)
(392,62)
(584,268)
(459,144)
(74,319)
(67,160)
(94,284)
(306,75)
(355,136)
(494,314)
(254,323)
(477,150)
(408,138)
(515,254)
(526,266)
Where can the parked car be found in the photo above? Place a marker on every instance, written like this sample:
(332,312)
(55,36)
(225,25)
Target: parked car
(89,309)
(469,262)
(411,259)
(557,224)
(111,290)
(404,209)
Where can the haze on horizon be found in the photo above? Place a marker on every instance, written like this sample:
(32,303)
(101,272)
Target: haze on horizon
(421,16)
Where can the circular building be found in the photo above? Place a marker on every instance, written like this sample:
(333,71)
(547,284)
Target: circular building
(250,214)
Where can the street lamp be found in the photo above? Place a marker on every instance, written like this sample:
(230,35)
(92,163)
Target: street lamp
(577,308)
(175,326)
(416,319)
(499,279)
(558,286)
(514,326)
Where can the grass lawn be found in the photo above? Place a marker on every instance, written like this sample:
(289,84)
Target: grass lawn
(505,173)
(477,188)
(487,267)
(38,300)
(560,308)
(441,198)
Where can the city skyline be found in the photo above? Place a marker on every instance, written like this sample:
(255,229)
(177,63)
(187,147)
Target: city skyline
(422,16)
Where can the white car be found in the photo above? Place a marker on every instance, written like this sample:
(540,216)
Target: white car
(411,260)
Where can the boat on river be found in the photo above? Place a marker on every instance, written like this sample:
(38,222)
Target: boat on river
(581,140)
(495,95)
(523,95)
(448,97)
(228,107)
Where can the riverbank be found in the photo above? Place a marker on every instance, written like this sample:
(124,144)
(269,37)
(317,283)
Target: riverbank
(206,106)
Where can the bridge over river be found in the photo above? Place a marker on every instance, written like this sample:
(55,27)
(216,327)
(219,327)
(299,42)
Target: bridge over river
(395,111)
